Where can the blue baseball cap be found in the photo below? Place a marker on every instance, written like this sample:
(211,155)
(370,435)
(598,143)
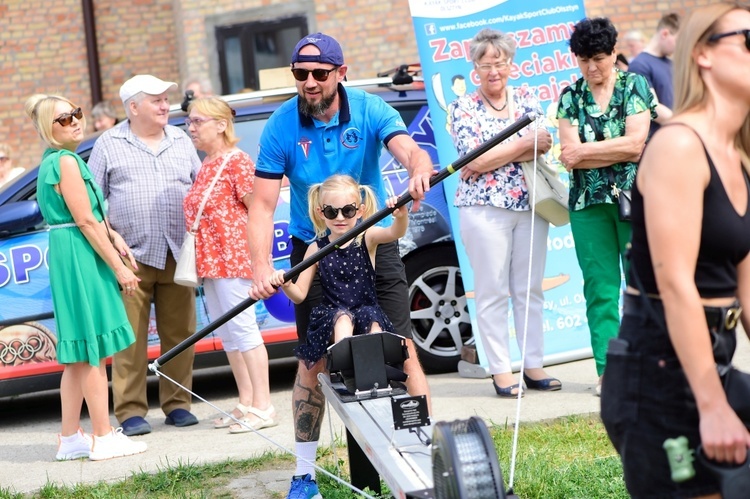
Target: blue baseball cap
(330,50)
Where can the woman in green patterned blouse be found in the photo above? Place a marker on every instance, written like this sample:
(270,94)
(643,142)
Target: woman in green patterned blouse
(604,120)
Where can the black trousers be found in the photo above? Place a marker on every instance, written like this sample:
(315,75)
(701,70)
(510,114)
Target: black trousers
(646,399)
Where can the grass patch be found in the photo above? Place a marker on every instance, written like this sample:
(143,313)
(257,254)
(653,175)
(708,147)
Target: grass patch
(567,458)
(180,479)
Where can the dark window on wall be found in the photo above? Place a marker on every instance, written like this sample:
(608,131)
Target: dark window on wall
(245,49)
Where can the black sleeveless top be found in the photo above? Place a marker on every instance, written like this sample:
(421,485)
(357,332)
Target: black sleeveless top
(725,240)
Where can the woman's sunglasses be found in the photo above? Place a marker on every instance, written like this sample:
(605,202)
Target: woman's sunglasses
(319,74)
(745,32)
(67,118)
(331,213)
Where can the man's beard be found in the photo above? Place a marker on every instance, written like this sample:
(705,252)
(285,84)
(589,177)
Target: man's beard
(317,109)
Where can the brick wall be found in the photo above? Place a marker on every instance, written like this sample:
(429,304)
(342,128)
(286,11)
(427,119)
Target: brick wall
(193,17)
(389,39)
(134,37)
(390,35)
(42,50)
(642,15)
(43,46)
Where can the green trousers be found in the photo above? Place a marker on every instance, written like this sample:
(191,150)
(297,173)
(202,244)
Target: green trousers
(600,240)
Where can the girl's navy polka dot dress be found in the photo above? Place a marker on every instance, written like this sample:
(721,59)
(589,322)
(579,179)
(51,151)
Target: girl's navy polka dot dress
(347,279)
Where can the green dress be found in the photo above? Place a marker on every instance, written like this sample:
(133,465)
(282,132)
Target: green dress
(89,312)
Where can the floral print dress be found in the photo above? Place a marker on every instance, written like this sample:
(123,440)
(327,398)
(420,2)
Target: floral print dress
(471,124)
(221,245)
(630,96)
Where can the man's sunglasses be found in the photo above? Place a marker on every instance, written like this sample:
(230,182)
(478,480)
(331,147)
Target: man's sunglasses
(331,213)
(67,118)
(745,32)
(319,74)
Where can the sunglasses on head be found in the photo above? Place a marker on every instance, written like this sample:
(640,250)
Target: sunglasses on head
(331,213)
(319,74)
(67,118)
(719,36)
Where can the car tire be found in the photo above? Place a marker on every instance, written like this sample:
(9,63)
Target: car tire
(439,315)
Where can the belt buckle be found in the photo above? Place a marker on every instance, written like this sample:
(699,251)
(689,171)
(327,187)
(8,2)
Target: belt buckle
(732,317)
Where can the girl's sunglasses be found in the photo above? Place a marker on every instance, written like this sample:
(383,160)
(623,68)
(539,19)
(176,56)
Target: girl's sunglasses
(67,118)
(319,74)
(745,32)
(331,213)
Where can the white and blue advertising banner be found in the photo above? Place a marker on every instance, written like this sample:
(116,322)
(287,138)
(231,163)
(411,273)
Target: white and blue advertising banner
(543,62)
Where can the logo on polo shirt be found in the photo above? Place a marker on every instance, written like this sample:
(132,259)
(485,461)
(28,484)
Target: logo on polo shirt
(305,144)
(351,138)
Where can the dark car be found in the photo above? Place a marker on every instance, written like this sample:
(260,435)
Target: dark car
(440,320)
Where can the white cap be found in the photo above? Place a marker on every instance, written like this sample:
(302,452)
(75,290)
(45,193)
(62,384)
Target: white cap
(147,84)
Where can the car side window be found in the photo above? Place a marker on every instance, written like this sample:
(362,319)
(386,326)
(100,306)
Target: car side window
(249,133)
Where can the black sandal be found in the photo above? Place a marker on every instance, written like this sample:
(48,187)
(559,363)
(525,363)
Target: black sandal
(544,385)
(507,392)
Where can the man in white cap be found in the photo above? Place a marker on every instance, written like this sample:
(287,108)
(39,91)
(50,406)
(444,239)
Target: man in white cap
(145,167)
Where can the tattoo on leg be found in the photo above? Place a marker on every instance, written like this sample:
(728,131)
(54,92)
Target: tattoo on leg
(309,408)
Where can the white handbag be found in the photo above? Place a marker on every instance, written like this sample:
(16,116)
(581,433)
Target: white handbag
(547,193)
(185,273)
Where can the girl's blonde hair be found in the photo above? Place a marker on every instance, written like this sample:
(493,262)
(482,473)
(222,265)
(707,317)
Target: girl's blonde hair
(218,109)
(41,109)
(343,184)
(690,91)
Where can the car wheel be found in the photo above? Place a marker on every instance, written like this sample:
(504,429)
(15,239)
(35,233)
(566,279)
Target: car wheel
(439,316)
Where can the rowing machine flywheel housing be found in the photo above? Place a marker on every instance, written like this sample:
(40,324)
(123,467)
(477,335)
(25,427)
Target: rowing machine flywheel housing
(464,461)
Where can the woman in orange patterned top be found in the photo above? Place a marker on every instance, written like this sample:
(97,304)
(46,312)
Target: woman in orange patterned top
(223,256)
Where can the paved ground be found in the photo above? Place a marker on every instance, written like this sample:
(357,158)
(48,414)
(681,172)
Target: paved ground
(29,425)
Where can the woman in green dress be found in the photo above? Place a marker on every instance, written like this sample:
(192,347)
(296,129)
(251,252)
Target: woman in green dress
(604,120)
(86,268)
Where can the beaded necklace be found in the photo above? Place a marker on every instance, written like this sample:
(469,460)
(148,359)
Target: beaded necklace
(498,109)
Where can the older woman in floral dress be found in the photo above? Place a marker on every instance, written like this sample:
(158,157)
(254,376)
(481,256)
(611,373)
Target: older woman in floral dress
(495,214)
(223,256)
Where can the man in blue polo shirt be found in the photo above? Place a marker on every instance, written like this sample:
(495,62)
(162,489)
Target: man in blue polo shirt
(327,129)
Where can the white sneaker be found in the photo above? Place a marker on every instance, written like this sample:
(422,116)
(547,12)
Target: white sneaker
(115,444)
(76,446)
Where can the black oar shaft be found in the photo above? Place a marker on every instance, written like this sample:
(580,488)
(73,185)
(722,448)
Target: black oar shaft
(292,273)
